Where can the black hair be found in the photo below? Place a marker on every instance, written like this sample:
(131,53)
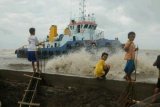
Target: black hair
(104,53)
(131,33)
(32,30)
(157,62)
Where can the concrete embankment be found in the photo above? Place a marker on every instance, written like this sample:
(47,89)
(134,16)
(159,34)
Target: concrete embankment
(67,91)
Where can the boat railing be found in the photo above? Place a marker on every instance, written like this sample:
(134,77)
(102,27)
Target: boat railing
(24,46)
(99,34)
(86,18)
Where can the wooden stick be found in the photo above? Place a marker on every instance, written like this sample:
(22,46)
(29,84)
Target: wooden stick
(136,65)
(33,77)
(26,89)
(31,104)
(29,90)
(34,91)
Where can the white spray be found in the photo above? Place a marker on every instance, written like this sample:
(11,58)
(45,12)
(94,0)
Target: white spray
(82,63)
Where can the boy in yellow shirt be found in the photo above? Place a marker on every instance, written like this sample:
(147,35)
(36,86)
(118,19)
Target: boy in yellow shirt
(102,68)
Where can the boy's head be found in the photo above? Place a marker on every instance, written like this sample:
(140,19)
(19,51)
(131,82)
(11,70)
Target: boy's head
(32,31)
(104,56)
(131,36)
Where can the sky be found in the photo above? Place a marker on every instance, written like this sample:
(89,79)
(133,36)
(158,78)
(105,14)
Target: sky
(115,17)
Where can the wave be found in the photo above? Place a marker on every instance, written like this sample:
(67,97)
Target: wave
(83,62)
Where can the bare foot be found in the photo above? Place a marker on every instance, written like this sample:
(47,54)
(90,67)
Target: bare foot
(39,71)
(34,70)
(126,78)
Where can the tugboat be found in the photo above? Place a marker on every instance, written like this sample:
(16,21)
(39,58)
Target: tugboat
(81,32)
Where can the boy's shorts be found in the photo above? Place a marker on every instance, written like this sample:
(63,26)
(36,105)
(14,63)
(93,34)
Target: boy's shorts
(158,83)
(130,67)
(32,56)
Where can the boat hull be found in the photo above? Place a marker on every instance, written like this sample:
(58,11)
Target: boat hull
(72,46)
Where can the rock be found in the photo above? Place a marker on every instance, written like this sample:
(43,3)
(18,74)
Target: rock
(88,105)
(101,105)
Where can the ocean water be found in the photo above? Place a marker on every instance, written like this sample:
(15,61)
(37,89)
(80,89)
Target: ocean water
(9,61)
(82,63)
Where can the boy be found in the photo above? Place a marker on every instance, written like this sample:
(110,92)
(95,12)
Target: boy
(32,49)
(130,56)
(101,68)
(157,64)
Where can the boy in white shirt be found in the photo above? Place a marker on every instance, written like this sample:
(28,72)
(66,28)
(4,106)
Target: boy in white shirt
(32,49)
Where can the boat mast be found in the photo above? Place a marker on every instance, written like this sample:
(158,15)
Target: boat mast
(82,9)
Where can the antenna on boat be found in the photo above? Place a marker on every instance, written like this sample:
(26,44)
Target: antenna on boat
(82,9)
(71,9)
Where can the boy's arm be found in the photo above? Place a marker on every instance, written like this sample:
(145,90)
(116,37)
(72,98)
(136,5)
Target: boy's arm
(137,49)
(104,67)
(29,41)
(36,41)
(103,72)
(155,63)
(40,43)
(127,45)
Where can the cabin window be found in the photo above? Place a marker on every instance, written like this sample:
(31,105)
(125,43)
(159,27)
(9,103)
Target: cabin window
(48,45)
(81,26)
(78,28)
(55,45)
(95,27)
(90,26)
(86,25)
(70,27)
(74,38)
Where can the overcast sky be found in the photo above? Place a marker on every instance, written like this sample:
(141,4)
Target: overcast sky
(115,17)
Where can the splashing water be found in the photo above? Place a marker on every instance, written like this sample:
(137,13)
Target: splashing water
(79,63)
(82,63)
